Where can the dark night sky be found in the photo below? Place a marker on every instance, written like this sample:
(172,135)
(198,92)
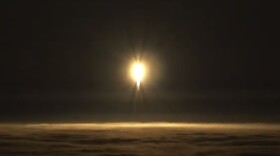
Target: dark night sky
(211,60)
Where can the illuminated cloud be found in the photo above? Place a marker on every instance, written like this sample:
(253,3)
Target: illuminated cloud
(122,140)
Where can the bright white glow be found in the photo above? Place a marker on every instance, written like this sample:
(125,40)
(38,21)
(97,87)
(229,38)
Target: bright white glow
(138,73)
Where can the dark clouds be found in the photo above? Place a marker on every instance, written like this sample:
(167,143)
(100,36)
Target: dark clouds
(76,139)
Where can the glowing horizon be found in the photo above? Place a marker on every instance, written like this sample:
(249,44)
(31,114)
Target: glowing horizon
(231,126)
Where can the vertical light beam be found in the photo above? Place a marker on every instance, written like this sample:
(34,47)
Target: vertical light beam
(138,73)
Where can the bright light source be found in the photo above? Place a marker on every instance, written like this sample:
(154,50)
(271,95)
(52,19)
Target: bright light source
(138,73)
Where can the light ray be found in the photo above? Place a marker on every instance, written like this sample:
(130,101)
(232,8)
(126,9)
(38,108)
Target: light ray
(138,73)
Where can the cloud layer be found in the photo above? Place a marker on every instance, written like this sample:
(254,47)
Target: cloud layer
(79,140)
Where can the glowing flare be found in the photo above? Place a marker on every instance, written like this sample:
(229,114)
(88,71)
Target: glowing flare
(138,73)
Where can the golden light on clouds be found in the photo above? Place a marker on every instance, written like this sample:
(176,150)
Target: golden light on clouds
(208,126)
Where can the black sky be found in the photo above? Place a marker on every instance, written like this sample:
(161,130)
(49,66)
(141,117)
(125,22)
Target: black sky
(67,60)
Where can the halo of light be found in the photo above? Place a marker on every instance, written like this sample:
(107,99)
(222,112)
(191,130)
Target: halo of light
(138,72)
